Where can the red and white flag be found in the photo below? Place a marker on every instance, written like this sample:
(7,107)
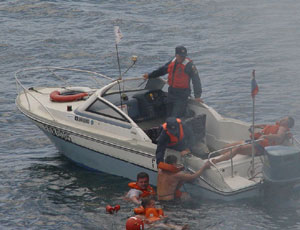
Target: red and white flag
(118,34)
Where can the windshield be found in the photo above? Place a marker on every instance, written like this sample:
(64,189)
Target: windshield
(135,84)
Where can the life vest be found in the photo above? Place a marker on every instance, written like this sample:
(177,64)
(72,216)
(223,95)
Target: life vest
(145,192)
(267,130)
(173,139)
(173,169)
(178,78)
(152,214)
(169,167)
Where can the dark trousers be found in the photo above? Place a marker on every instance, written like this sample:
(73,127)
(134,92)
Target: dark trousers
(177,102)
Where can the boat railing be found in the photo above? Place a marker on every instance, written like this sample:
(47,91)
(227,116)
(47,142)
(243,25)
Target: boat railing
(295,141)
(22,73)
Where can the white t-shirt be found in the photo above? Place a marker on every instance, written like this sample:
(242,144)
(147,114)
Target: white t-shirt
(134,192)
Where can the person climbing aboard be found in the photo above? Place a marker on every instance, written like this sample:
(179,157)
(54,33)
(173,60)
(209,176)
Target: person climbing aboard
(171,177)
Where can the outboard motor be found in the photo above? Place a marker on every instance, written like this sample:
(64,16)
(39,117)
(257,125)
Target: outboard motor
(281,164)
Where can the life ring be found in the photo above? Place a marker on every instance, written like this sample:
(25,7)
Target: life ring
(67,95)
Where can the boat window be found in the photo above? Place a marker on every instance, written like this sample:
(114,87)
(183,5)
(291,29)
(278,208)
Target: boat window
(126,86)
(101,108)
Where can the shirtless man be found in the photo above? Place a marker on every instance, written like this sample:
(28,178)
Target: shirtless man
(275,134)
(168,182)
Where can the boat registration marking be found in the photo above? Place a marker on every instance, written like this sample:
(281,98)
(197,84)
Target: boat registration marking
(82,119)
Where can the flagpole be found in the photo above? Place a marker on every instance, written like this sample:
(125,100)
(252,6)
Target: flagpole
(118,36)
(253,118)
(120,75)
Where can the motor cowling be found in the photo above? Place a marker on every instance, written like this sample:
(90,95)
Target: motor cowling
(281,164)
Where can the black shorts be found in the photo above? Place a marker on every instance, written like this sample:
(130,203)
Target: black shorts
(259,149)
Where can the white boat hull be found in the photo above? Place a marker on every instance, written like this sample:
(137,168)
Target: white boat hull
(103,135)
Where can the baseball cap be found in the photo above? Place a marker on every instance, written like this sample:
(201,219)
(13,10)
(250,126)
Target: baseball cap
(172,126)
(181,50)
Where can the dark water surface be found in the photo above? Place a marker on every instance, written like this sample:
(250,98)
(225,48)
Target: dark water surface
(227,39)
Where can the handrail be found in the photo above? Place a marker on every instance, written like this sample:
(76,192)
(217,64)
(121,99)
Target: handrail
(294,139)
(231,147)
(51,70)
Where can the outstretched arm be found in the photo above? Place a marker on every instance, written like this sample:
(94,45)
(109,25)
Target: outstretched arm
(189,177)
(135,200)
(158,72)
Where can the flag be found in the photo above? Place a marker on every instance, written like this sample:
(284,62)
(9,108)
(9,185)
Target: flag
(118,34)
(254,86)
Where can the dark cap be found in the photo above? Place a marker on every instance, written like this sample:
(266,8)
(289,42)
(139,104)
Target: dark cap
(173,126)
(181,50)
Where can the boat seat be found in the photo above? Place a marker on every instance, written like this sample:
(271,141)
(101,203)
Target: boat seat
(153,133)
(151,104)
(133,108)
(197,125)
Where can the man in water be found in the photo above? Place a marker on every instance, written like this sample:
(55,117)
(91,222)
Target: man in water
(180,71)
(169,181)
(276,134)
(140,188)
(153,217)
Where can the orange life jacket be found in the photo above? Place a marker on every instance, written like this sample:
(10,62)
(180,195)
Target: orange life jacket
(173,169)
(153,214)
(170,168)
(178,78)
(268,129)
(173,139)
(145,192)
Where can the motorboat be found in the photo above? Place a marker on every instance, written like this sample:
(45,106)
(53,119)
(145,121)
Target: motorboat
(111,125)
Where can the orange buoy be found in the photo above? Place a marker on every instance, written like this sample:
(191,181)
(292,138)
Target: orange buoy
(58,96)
(117,208)
(109,209)
(134,223)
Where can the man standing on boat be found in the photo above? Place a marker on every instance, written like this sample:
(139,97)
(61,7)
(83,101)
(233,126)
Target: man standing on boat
(180,71)
(140,188)
(174,135)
